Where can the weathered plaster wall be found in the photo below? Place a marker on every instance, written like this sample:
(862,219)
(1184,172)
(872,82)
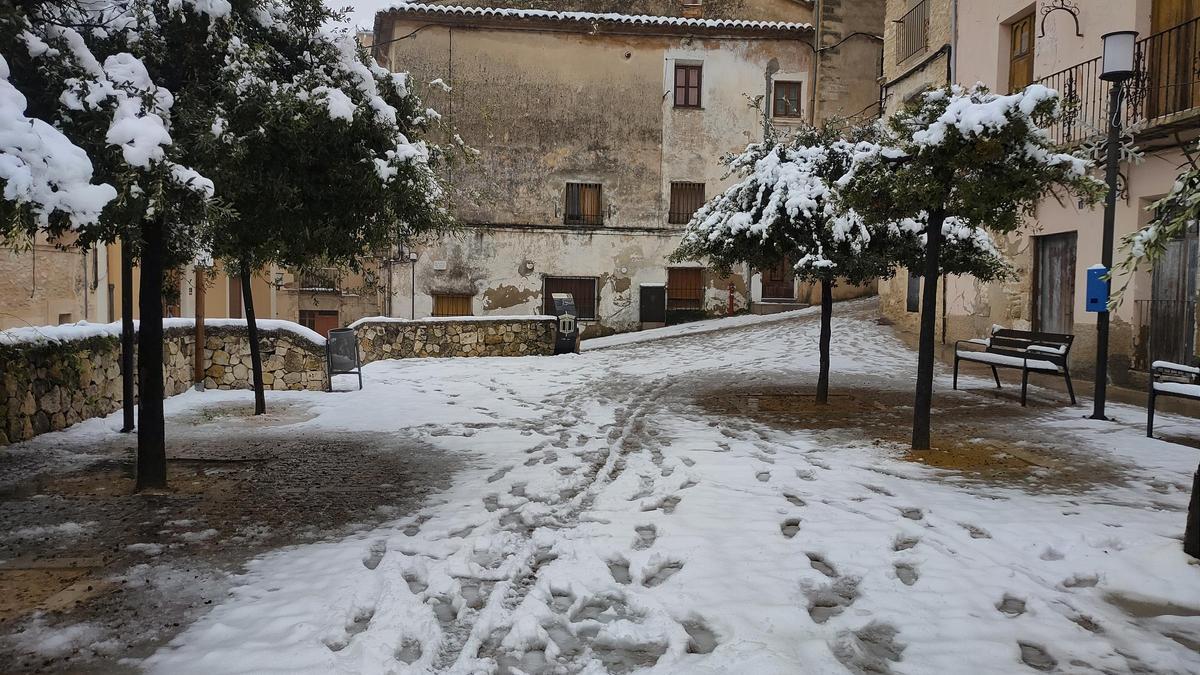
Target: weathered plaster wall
(381,339)
(849,63)
(908,77)
(39,285)
(492,265)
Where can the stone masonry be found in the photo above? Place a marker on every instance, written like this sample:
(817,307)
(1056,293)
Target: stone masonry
(383,339)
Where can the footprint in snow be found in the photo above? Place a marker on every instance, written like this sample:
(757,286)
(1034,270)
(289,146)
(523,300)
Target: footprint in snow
(763,476)
(975,532)
(831,599)
(619,569)
(790,527)
(661,573)
(904,542)
(805,474)
(701,638)
(375,554)
(474,592)
(688,461)
(1081,581)
(646,536)
(491,502)
(869,649)
(499,474)
(1036,657)
(414,527)
(1011,605)
(666,504)
(409,651)
(1051,553)
(821,565)
(879,490)
(906,573)
(912,513)
(416,585)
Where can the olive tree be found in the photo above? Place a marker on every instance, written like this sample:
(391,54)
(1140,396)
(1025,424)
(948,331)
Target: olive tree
(960,158)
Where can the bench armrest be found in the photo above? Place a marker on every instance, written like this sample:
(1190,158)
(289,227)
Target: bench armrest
(1177,367)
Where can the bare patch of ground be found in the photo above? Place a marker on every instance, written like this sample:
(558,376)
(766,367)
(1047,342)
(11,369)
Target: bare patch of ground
(81,548)
(975,436)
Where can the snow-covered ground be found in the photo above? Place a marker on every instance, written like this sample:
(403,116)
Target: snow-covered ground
(608,522)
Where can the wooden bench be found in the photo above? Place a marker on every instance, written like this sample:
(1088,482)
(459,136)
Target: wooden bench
(1029,351)
(1171,379)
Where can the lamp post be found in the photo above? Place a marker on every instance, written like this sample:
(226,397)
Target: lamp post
(1117,67)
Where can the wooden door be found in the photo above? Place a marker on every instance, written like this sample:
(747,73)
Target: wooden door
(1020,55)
(1172,55)
(321,321)
(235,297)
(652,307)
(1172,306)
(1054,275)
(779,282)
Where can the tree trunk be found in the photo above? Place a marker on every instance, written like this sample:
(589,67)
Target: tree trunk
(260,401)
(826,330)
(924,398)
(127,374)
(152,443)
(1191,533)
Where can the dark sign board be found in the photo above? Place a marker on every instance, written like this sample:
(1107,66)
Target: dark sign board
(341,354)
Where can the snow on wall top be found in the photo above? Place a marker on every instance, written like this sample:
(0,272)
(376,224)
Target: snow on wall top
(594,17)
(84,330)
(452,319)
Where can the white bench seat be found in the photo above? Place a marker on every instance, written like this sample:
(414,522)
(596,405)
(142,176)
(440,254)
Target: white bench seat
(1178,389)
(1010,361)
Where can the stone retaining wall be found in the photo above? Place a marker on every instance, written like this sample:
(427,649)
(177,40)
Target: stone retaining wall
(469,336)
(50,385)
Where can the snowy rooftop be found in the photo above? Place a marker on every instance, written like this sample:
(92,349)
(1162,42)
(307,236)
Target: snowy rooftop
(594,17)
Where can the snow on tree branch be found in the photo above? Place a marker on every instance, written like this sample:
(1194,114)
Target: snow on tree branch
(40,168)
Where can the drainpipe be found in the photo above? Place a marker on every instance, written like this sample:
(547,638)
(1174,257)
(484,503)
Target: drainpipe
(952,59)
(818,9)
(772,68)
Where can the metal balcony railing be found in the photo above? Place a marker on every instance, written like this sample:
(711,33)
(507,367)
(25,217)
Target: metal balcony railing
(912,31)
(1164,88)
(320,280)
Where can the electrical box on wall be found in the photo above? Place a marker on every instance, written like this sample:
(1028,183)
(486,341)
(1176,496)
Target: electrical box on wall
(1097,288)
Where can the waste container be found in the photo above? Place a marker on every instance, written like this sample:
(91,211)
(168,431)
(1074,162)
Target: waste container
(567,339)
(341,355)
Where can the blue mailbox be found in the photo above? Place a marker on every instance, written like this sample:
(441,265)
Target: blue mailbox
(1097,288)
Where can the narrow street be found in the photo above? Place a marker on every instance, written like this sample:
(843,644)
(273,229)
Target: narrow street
(682,506)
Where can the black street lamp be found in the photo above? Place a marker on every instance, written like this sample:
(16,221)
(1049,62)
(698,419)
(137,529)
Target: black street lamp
(1117,67)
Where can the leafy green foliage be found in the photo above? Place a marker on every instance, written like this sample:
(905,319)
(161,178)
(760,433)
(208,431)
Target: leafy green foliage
(969,154)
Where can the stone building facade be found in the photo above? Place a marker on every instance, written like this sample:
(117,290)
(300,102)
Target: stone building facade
(599,132)
(1005,44)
